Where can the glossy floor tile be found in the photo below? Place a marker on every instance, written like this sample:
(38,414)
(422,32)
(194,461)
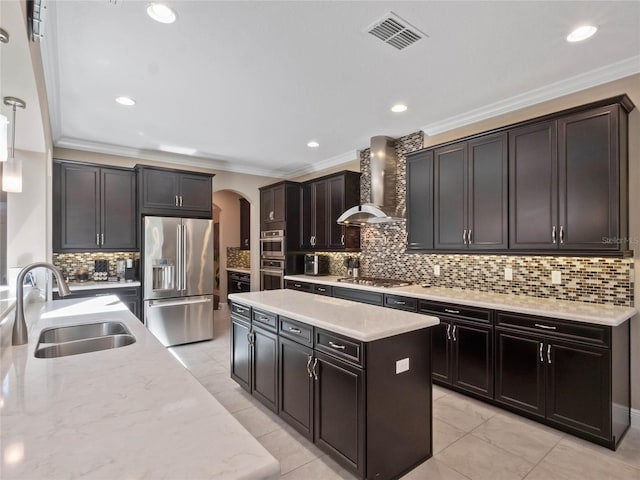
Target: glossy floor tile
(471,439)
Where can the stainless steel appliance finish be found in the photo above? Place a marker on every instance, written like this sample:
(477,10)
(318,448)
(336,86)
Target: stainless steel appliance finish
(272,244)
(178,279)
(271,274)
(316,265)
(376,282)
(383,207)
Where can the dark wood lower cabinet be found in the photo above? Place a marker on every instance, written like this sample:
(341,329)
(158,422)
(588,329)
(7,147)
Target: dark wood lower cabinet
(241,352)
(440,356)
(472,358)
(264,367)
(296,385)
(339,409)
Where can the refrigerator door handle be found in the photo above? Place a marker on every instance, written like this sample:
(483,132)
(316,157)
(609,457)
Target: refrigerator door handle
(179,258)
(174,303)
(183,261)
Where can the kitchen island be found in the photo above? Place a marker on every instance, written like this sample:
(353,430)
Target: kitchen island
(129,412)
(355,379)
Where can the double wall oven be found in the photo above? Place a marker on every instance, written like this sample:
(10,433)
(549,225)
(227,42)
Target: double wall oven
(272,259)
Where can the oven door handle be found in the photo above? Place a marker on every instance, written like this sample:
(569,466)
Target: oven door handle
(274,271)
(272,239)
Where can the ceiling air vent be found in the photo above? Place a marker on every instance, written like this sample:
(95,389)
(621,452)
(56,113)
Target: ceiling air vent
(395,31)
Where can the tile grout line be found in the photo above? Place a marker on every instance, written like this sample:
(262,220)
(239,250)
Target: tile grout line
(544,456)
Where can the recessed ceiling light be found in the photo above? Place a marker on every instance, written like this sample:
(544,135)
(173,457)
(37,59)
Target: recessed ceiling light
(313,144)
(399,108)
(581,33)
(126,101)
(161,13)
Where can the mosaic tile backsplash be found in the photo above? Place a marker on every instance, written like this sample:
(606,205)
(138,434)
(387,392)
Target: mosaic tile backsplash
(70,262)
(584,279)
(237,258)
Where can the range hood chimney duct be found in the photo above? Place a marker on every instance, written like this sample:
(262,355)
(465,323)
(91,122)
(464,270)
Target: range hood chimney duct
(382,206)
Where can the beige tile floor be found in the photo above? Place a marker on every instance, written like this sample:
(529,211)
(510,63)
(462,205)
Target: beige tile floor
(472,440)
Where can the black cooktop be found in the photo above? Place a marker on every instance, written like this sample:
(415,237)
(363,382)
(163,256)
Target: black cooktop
(376,282)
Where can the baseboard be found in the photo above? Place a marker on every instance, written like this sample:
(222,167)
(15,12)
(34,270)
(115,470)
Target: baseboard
(223,306)
(635,418)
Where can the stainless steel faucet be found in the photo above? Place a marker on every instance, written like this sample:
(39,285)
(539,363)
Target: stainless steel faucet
(19,335)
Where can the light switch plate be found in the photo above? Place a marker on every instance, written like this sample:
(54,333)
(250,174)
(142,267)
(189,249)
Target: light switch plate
(556,278)
(436,270)
(402,365)
(508,273)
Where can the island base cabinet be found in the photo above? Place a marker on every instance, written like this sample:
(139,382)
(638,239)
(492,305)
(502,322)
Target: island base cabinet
(339,408)
(264,363)
(241,353)
(296,386)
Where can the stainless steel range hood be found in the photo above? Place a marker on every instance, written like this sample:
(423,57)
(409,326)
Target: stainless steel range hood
(382,207)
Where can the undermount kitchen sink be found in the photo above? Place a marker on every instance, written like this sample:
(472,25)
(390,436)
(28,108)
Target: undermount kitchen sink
(76,339)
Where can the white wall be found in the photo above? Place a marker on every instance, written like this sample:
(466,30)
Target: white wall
(229,203)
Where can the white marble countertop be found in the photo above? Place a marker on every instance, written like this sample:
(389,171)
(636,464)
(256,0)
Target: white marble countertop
(91,285)
(7,301)
(578,311)
(356,320)
(131,412)
(239,270)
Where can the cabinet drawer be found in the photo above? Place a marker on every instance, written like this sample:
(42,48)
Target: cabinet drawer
(295,285)
(296,331)
(266,319)
(565,329)
(339,346)
(321,290)
(401,303)
(240,277)
(241,310)
(362,296)
(456,311)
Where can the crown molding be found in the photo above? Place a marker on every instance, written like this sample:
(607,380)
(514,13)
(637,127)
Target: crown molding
(184,160)
(608,73)
(334,161)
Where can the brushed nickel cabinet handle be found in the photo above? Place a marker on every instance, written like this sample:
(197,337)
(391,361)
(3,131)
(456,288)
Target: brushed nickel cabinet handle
(553,234)
(546,327)
(309,360)
(448,331)
(315,372)
(448,310)
(295,330)
(102,239)
(454,333)
(97,239)
(176,200)
(342,240)
(541,357)
(469,240)
(336,346)
(549,353)
(321,289)
(561,234)
(464,236)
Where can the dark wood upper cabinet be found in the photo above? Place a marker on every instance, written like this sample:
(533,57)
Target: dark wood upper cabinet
(245,224)
(280,210)
(323,201)
(174,192)
(420,201)
(272,203)
(94,208)
(471,196)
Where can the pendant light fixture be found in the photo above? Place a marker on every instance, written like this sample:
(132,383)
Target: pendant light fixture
(12,168)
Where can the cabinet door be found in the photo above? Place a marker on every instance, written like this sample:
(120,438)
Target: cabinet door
(240,353)
(336,204)
(533,187)
(79,207)
(588,160)
(306,219)
(118,208)
(245,224)
(488,193)
(578,387)
(440,355)
(160,189)
(339,411)
(195,192)
(472,358)
(267,213)
(450,190)
(520,363)
(296,386)
(319,214)
(420,201)
(265,367)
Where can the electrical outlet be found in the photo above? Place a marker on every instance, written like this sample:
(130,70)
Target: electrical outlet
(508,273)
(556,278)
(402,365)
(436,270)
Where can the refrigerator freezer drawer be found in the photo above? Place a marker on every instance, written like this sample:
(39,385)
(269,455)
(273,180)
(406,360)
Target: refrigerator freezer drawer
(180,320)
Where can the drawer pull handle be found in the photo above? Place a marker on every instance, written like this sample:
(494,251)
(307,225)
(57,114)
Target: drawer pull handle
(295,330)
(336,346)
(400,302)
(546,327)
(240,310)
(449,310)
(320,289)
(541,357)
(262,318)
(297,285)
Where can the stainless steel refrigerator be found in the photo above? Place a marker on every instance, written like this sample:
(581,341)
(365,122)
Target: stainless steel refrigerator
(177,262)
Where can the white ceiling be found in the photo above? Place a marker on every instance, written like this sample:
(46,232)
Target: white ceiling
(248,83)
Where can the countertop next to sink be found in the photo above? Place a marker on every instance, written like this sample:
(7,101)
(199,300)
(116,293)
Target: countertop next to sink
(131,412)
(577,311)
(356,320)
